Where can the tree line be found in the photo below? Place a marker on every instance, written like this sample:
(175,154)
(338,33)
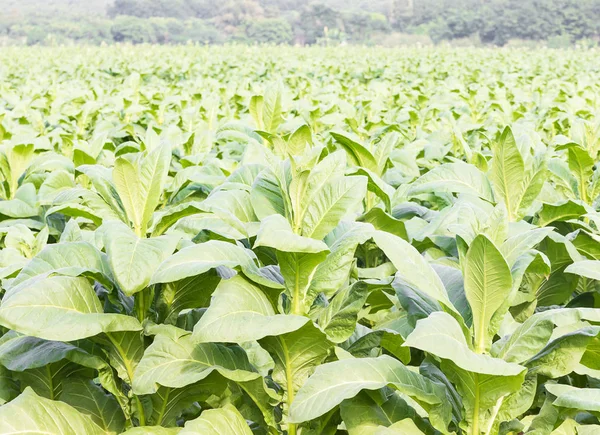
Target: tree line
(320,22)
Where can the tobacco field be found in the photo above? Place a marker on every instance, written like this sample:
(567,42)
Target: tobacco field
(303,241)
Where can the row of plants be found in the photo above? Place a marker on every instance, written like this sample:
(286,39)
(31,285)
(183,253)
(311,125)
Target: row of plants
(307,241)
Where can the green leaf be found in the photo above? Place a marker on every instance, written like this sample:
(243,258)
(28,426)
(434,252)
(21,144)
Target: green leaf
(60,308)
(514,246)
(89,399)
(222,421)
(488,284)
(47,365)
(456,177)
(441,335)
(581,165)
(8,386)
(367,414)
(403,427)
(296,354)
(140,184)
(271,108)
(585,399)
(168,404)
(333,272)
(268,195)
(384,222)
(198,259)
(256,110)
(562,355)
(72,259)
(32,414)
(526,341)
(18,157)
(412,267)
(134,260)
(587,268)
(551,213)
(241,312)
(338,320)
(508,172)
(21,352)
(330,203)
(124,350)
(480,379)
(177,362)
(23,205)
(369,340)
(275,232)
(336,381)
(188,293)
(299,140)
(588,429)
(358,154)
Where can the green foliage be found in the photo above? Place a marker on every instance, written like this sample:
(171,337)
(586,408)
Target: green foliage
(270,31)
(497,21)
(560,23)
(285,240)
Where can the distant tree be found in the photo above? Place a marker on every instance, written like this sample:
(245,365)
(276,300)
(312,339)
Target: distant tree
(270,30)
(361,25)
(132,29)
(314,19)
(152,8)
(203,8)
(233,13)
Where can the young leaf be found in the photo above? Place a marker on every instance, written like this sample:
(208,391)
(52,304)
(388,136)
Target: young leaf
(488,283)
(140,184)
(508,172)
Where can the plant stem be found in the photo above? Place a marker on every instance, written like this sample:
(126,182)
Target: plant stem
(129,369)
(290,399)
(140,408)
(140,305)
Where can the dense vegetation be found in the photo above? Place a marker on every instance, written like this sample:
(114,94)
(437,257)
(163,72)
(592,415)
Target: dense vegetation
(300,241)
(387,22)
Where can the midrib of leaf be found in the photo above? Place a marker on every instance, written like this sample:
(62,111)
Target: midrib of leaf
(506,194)
(475,425)
(161,414)
(289,379)
(50,382)
(479,348)
(129,369)
(479,339)
(582,187)
(297,304)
